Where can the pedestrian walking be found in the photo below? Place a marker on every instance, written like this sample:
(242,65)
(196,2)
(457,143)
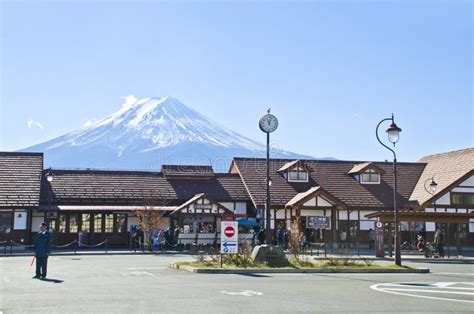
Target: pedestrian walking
(439,241)
(371,238)
(343,236)
(42,248)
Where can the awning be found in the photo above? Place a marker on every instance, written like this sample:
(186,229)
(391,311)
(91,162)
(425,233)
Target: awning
(442,217)
(248,223)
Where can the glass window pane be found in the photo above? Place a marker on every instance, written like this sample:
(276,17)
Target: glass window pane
(62,223)
(121,223)
(293,175)
(303,176)
(6,222)
(109,223)
(73,223)
(86,223)
(98,223)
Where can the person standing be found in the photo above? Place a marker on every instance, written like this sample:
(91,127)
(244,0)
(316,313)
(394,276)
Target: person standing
(439,241)
(343,238)
(42,248)
(371,238)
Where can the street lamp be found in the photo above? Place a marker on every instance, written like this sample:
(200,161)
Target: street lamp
(393,132)
(49,178)
(268,124)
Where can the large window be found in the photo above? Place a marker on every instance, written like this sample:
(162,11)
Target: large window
(98,223)
(121,223)
(73,223)
(6,222)
(298,175)
(370,176)
(62,223)
(109,223)
(86,223)
(462,198)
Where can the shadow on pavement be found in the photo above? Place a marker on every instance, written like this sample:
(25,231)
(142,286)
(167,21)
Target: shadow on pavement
(52,280)
(254,275)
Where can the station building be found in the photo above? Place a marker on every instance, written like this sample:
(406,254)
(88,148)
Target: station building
(347,195)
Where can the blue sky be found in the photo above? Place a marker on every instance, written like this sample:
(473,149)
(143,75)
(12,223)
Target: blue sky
(329,70)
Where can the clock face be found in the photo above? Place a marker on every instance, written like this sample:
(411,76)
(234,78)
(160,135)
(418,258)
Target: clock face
(268,123)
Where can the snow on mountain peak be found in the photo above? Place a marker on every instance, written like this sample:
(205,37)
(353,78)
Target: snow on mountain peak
(146,128)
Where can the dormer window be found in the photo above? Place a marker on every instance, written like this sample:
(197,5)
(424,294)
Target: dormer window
(298,174)
(370,176)
(366,173)
(295,171)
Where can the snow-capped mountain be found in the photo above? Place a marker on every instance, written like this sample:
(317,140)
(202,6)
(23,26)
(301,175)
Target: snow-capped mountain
(146,133)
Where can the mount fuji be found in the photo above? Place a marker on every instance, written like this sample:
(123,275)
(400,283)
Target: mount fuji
(146,133)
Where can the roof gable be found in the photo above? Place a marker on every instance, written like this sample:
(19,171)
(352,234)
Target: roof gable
(447,169)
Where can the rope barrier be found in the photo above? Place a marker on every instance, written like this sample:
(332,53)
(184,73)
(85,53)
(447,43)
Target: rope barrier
(66,245)
(18,244)
(95,245)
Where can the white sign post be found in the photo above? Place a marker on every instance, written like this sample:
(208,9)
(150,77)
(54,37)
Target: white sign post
(229,237)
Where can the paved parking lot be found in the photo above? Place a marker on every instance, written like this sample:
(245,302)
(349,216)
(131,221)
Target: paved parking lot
(144,283)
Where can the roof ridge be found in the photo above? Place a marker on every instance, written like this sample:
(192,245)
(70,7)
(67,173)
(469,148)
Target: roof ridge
(453,152)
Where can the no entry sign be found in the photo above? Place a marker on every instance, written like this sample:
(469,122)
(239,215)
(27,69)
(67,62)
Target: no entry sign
(229,231)
(229,237)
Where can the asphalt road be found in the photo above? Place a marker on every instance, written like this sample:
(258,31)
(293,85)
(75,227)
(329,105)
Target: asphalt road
(144,284)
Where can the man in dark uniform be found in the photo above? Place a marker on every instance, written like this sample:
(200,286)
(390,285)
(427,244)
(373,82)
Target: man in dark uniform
(42,250)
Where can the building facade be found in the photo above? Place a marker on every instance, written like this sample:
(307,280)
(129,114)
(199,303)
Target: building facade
(321,198)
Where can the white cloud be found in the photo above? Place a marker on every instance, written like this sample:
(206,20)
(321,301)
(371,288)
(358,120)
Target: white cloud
(32,123)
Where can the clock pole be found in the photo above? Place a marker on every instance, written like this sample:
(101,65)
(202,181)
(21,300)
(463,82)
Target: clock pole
(268,230)
(268,124)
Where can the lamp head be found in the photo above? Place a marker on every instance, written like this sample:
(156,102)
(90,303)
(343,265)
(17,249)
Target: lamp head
(393,132)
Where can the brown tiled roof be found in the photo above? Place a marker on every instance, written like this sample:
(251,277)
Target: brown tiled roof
(333,176)
(187,170)
(445,169)
(136,188)
(20,179)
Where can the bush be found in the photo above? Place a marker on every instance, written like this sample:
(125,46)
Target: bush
(238,260)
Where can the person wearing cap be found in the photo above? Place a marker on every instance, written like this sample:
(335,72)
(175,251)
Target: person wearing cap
(42,250)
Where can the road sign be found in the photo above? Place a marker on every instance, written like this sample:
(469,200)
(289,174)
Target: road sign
(229,231)
(229,247)
(229,237)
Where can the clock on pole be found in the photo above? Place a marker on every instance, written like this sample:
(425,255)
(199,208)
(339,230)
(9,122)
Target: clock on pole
(268,124)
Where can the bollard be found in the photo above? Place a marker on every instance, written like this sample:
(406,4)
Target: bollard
(106,246)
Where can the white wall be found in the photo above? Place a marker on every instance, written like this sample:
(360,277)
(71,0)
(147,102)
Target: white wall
(19,223)
(468,182)
(323,202)
(444,200)
(241,208)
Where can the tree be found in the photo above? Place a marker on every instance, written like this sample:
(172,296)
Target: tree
(151,218)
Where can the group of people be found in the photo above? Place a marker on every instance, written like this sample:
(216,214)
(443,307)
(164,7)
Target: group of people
(160,239)
(428,248)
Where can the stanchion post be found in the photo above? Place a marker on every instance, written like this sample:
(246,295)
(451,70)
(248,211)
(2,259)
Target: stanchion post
(106,246)
(75,248)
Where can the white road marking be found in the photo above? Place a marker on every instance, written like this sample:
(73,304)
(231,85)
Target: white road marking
(137,273)
(410,290)
(245,293)
(463,274)
(6,280)
(147,268)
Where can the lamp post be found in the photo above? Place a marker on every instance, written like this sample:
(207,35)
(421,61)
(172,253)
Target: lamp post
(393,132)
(268,123)
(49,178)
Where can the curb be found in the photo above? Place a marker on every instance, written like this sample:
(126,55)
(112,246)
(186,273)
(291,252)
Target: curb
(297,271)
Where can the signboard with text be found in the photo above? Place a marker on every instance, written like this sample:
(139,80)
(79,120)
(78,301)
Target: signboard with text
(379,245)
(319,222)
(229,237)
